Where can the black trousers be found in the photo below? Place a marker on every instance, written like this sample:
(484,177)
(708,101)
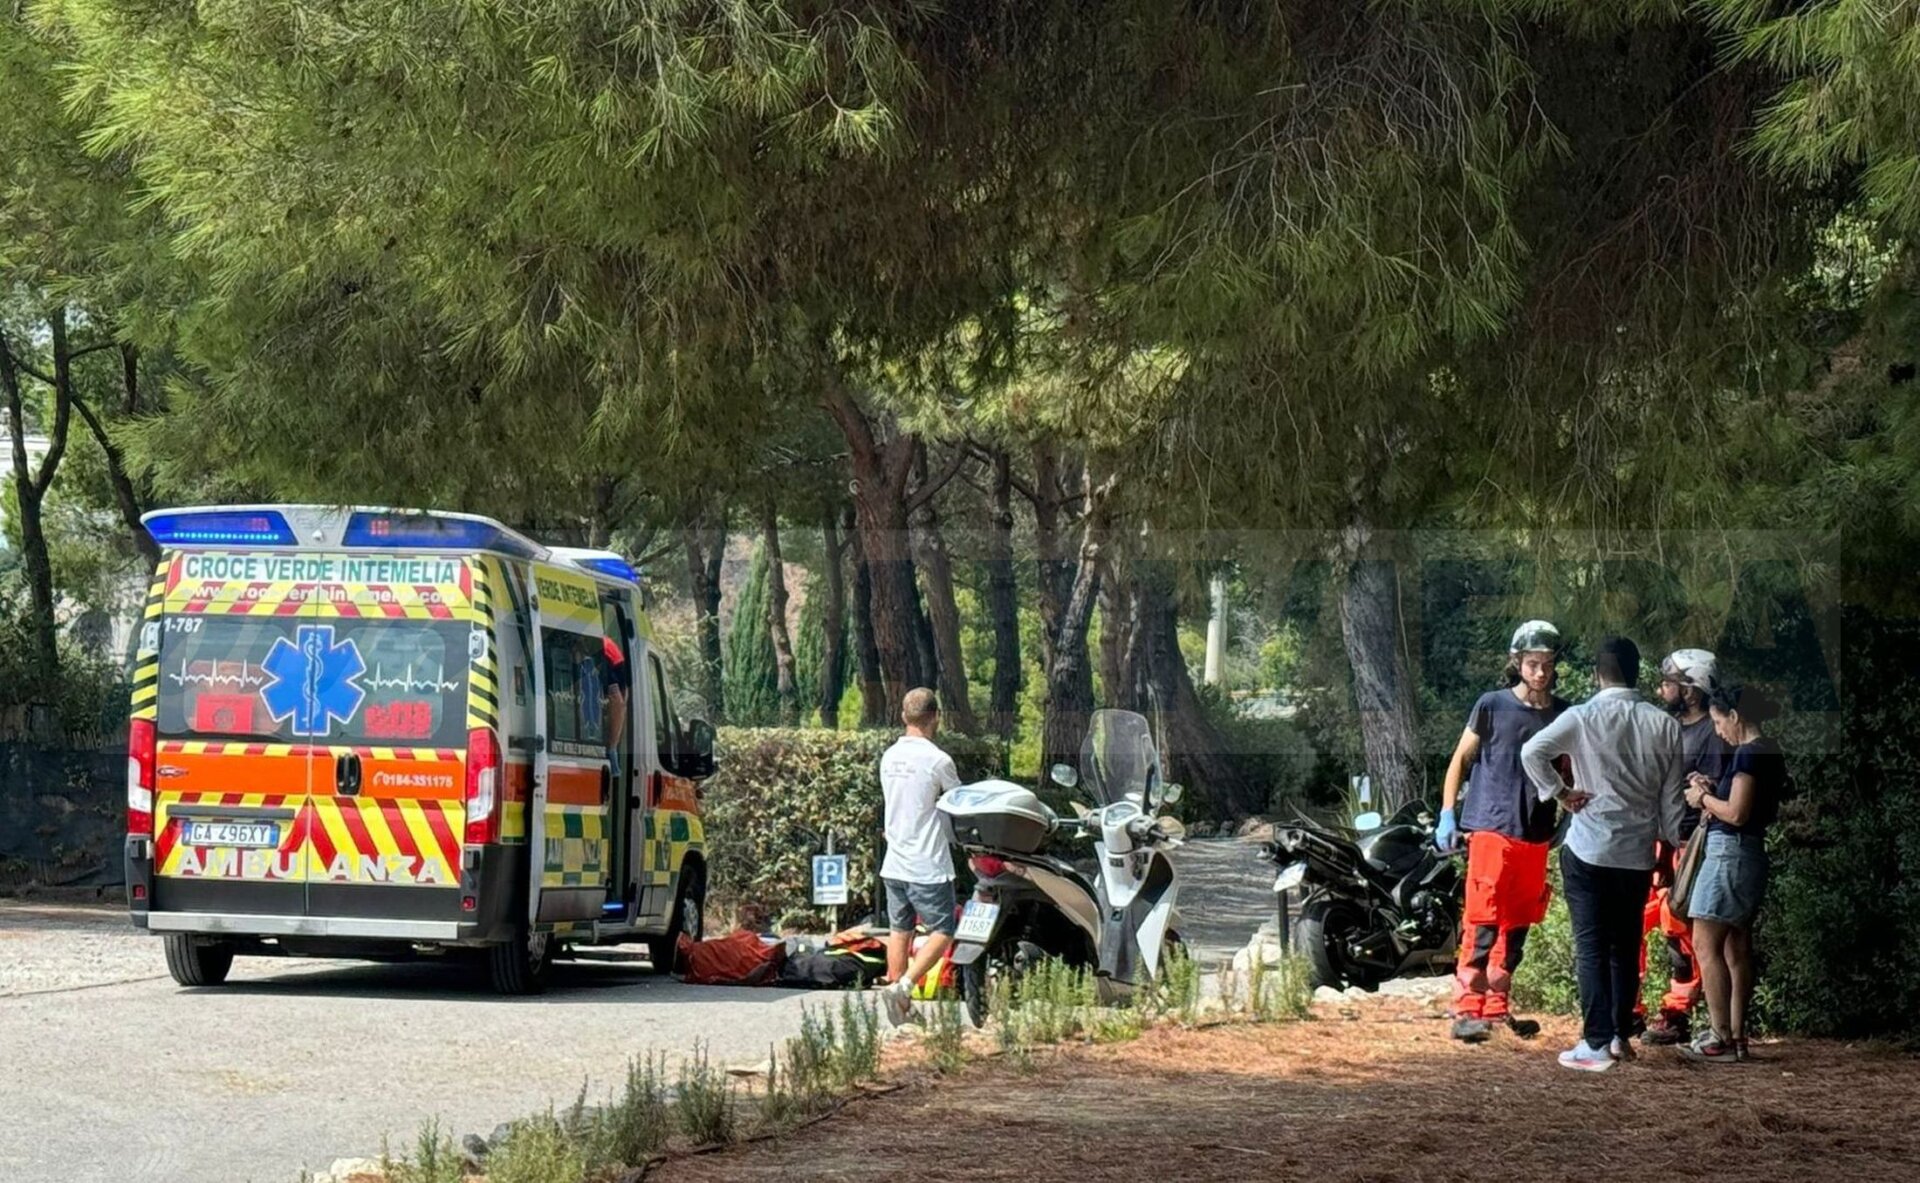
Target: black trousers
(1606,905)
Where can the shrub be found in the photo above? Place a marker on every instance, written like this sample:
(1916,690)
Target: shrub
(780,790)
(536,1150)
(634,1126)
(706,1107)
(947,1038)
(435,1160)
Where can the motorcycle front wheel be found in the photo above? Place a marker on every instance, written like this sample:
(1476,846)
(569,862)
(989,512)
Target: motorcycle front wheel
(1323,933)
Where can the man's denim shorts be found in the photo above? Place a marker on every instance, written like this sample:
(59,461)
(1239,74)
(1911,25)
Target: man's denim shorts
(932,903)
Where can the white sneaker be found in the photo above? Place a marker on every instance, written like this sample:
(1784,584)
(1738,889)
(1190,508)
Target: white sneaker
(1582,1057)
(899,1004)
(1620,1049)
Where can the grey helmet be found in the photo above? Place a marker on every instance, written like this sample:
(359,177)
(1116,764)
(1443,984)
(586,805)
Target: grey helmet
(1692,667)
(1535,636)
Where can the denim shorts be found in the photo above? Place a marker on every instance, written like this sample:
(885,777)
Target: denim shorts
(932,903)
(1733,879)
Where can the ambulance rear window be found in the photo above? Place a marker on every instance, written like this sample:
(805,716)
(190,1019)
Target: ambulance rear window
(289,679)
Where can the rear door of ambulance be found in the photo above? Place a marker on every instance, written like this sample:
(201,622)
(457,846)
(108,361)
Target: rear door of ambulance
(231,784)
(388,786)
(312,720)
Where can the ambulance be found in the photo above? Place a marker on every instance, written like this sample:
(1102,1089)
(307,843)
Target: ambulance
(389,733)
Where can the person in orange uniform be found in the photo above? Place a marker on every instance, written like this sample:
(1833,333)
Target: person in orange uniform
(1687,680)
(1508,830)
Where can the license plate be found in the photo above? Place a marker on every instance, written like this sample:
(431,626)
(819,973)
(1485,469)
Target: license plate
(246,834)
(976,922)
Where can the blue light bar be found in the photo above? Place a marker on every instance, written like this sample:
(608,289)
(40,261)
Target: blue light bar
(403,531)
(253,527)
(618,568)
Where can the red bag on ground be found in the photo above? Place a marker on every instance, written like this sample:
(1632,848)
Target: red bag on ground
(737,959)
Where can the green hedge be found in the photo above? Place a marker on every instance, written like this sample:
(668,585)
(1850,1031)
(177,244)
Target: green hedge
(779,789)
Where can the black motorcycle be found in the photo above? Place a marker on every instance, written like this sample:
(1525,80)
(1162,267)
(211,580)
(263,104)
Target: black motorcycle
(1374,904)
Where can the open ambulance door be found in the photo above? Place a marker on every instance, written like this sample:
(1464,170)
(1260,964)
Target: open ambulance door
(573,776)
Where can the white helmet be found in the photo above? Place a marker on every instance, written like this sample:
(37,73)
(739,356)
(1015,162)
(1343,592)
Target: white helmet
(1535,636)
(1692,667)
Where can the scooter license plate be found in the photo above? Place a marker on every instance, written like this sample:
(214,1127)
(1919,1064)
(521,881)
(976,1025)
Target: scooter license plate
(976,921)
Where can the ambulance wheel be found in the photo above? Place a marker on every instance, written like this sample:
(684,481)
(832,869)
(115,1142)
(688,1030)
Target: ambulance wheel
(522,965)
(689,912)
(195,963)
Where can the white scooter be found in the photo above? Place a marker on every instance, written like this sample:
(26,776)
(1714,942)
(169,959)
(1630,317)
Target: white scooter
(1028,904)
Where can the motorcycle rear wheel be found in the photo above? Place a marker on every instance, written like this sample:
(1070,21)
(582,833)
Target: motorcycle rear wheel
(1322,932)
(1003,961)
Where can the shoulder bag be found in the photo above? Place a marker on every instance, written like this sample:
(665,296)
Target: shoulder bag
(1680,895)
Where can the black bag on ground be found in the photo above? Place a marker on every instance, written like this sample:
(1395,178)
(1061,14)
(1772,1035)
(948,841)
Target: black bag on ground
(831,969)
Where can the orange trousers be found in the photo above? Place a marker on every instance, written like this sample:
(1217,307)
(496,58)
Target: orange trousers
(1507,894)
(1683,987)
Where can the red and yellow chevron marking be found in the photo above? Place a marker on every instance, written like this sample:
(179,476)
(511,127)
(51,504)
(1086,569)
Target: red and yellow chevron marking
(403,827)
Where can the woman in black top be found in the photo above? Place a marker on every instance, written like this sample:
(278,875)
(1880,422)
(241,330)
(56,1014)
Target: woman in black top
(1733,876)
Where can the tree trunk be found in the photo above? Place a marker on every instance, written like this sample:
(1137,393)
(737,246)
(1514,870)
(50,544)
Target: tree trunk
(1054,566)
(1003,604)
(706,548)
(873,695)
(786,687)
(31,487)
(1196,753)
(600,514)
(943,617)
(926,660)
(1069,666)
(833,618)
(1118,656)
(1370,627)
(127,498)
(880,474)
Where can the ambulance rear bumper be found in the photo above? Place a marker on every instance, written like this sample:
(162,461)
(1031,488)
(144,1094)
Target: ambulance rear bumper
(310,926)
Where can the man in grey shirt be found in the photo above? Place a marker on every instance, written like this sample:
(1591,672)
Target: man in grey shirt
(1629,789)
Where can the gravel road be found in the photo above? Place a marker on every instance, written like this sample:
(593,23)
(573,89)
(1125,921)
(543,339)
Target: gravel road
(114,1074)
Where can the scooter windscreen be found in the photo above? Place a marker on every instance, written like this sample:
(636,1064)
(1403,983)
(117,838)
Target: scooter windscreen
(1119,760)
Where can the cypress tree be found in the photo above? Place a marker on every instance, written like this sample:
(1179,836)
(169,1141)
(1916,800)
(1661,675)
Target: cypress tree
(749,671)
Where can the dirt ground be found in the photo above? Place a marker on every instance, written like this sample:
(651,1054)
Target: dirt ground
(1378,1093)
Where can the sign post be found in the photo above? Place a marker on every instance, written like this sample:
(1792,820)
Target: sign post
(830,880)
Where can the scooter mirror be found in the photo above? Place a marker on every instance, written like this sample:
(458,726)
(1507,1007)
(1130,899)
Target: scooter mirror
(1064,775)
(1364,822)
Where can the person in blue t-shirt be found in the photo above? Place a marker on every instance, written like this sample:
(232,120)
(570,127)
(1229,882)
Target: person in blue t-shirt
(1508,830)
(1737,810)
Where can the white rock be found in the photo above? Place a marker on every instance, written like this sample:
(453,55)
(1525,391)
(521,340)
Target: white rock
(344,1170)
(1267,952)
(1327,994)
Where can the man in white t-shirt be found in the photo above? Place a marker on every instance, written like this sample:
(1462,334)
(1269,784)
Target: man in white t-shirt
(918,869)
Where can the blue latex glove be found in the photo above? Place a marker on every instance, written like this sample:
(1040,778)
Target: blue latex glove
(1446,835)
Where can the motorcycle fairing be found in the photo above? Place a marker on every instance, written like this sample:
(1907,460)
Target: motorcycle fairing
(1131,935)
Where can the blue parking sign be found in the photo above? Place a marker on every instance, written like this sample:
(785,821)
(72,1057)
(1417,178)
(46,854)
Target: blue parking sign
(829,878)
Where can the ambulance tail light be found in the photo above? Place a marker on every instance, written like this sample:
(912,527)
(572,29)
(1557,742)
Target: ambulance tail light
(483,787)
(140,761)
